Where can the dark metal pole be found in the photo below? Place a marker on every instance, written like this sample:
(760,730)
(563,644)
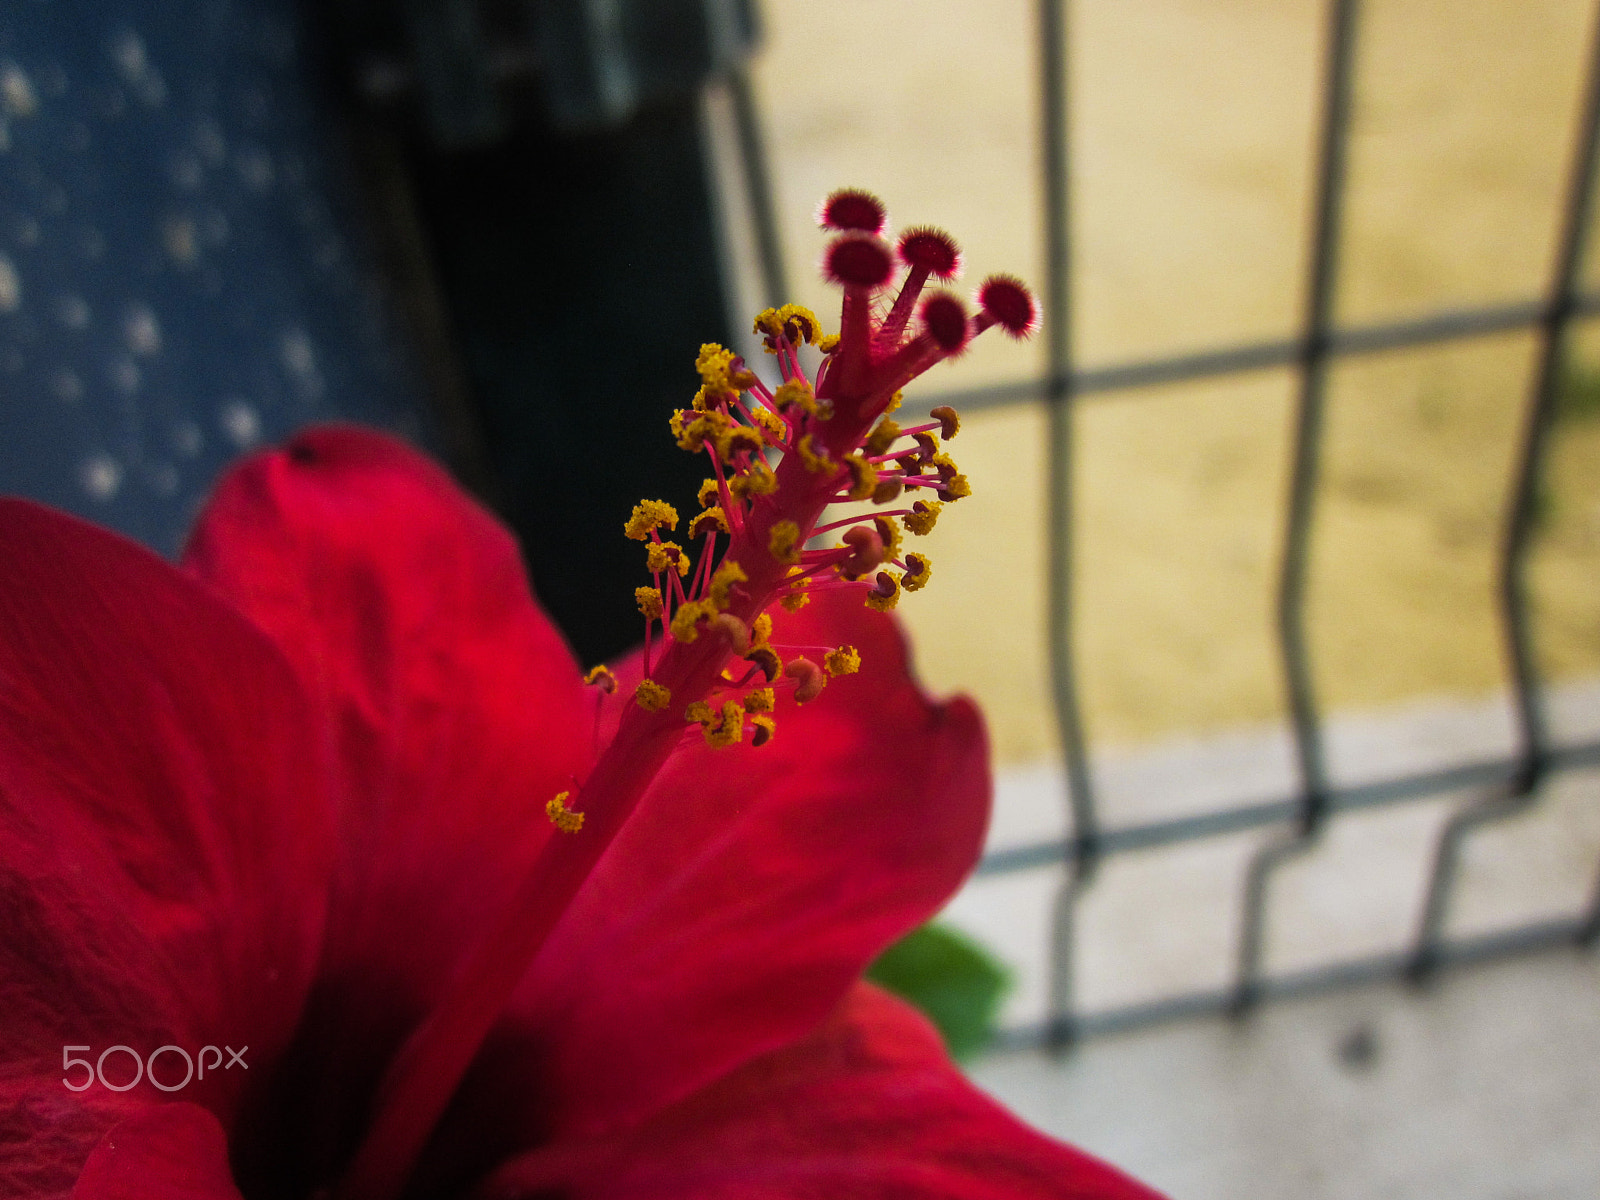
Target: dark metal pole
(1559,309)
(1313,804)
(1083,843)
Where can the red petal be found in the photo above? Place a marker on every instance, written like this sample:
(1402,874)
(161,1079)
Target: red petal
(868,1105)
(174,1152)
(165,833)
(458,709)
(753,885)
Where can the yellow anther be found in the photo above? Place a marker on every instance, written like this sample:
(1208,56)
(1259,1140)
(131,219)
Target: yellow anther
(797,391)
(706,427)
(651,696)
(765,727)
(949,421)
(688,616)
(721,728)
(815,458)
(924,513)
(666,556)
(887,490)
(760,701)
(761,630)
(800,320)
(708,522)
(562,817)
(889,530)
(758,479)
(796,599)
(956,487)
(727,727)
(769,421)
(863,477)
(895,401)
(828,343)
(918,571)
(648,515)
(793,321)
(846,660)
(709,493)
(767,659)
(707,400)
(723,580)
(784,541)
(881,438)
(715,364)
(602,678)
(675,422)
(649,601)
(886,595)
(740,437)
(769,322)
(928,446)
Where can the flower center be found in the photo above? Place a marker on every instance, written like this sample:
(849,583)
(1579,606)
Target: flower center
(779,457)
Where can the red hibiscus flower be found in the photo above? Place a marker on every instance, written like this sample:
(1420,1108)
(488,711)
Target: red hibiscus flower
(324,871)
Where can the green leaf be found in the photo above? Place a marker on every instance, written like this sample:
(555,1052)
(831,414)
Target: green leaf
(950,978)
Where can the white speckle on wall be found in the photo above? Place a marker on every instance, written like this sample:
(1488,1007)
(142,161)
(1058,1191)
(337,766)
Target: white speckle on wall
(123,374)
(101,477)
(66,387)
(127,51)
(187,439)
(299,356)
(254,166)
(73,312)
(187,171)
(17,96)
(240,422)
(10,287)
(141,330)
(209,142)
(181,239)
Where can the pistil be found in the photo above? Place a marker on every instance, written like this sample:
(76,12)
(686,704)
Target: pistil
(720,617)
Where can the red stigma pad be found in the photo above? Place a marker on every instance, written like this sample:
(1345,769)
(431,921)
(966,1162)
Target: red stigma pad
(1010,303)
(934,250)
(945,319)
(856,260)
(852,209)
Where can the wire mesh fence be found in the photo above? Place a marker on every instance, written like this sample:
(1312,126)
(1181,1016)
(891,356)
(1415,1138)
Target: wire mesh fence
(1495,786)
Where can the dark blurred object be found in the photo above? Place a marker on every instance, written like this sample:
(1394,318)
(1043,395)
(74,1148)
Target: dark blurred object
(183,268)
(478,69)
(546,200)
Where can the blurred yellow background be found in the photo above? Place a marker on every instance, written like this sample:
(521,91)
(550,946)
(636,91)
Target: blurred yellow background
(1193,138)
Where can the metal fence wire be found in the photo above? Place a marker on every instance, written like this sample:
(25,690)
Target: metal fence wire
(1505,787)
